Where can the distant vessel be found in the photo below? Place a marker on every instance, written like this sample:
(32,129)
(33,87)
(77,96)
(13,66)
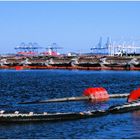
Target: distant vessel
(83,62)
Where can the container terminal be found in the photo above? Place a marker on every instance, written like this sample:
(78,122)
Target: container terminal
(102,57)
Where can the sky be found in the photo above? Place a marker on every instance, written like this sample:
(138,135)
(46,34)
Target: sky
(74,26)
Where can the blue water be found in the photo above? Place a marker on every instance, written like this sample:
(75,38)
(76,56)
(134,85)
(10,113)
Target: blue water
(27,85)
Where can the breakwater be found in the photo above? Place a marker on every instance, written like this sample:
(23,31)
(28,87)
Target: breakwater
(75,62)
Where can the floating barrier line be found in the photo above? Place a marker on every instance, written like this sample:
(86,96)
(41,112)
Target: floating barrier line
(67,99)
(124,95)
(31,117)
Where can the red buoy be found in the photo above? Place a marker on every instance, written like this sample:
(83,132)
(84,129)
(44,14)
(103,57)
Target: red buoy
(97,93)
(134,95)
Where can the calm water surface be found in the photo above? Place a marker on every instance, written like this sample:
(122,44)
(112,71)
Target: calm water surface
(18,86)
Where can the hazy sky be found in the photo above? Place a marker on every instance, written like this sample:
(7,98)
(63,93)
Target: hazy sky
(73,25)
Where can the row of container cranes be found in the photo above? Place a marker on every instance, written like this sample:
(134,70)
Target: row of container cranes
(110,47)
(116,48)
(31,49)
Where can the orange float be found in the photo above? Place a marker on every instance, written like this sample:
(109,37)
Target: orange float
(97,93)
(134,95)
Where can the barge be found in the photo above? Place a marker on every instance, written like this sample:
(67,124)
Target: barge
(76,62)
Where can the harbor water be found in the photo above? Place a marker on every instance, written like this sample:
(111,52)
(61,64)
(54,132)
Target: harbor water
(30,85)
